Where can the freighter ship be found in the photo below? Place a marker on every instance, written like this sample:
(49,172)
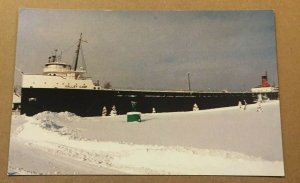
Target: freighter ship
(64,87)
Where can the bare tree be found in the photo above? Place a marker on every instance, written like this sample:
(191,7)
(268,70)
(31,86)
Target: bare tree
(107,85)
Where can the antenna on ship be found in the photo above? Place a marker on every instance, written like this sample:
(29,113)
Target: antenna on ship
(59,57)
(53,57)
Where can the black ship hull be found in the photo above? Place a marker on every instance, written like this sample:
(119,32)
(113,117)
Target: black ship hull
(91,102)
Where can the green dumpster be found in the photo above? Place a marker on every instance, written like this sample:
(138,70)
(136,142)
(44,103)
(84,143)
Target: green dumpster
(134,117)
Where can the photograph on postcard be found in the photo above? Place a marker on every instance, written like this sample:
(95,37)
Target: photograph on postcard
(146,93)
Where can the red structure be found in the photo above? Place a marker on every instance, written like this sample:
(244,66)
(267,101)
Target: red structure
(264,81)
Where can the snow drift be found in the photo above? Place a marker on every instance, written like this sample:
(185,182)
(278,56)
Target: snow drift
(63,136)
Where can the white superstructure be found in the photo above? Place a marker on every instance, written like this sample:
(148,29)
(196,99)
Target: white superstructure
(47,81)
(264,89)
(57,74)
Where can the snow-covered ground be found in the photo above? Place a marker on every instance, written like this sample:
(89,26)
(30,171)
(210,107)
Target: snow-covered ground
(225,141)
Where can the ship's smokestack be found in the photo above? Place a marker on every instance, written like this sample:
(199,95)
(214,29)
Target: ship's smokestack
(264,80)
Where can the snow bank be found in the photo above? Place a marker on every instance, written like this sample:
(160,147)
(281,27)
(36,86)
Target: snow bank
(46,133)
(56,117)
(48,121)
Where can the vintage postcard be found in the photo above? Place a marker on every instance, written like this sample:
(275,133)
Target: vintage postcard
(146,93)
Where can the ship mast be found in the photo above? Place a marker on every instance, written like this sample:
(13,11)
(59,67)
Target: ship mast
(77,52)
(189,81)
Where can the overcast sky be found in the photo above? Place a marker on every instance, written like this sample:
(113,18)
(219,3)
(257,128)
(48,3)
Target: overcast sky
(155,49)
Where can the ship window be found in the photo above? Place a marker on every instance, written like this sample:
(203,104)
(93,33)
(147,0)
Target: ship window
(94,88)
(45,82)
(54,74)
